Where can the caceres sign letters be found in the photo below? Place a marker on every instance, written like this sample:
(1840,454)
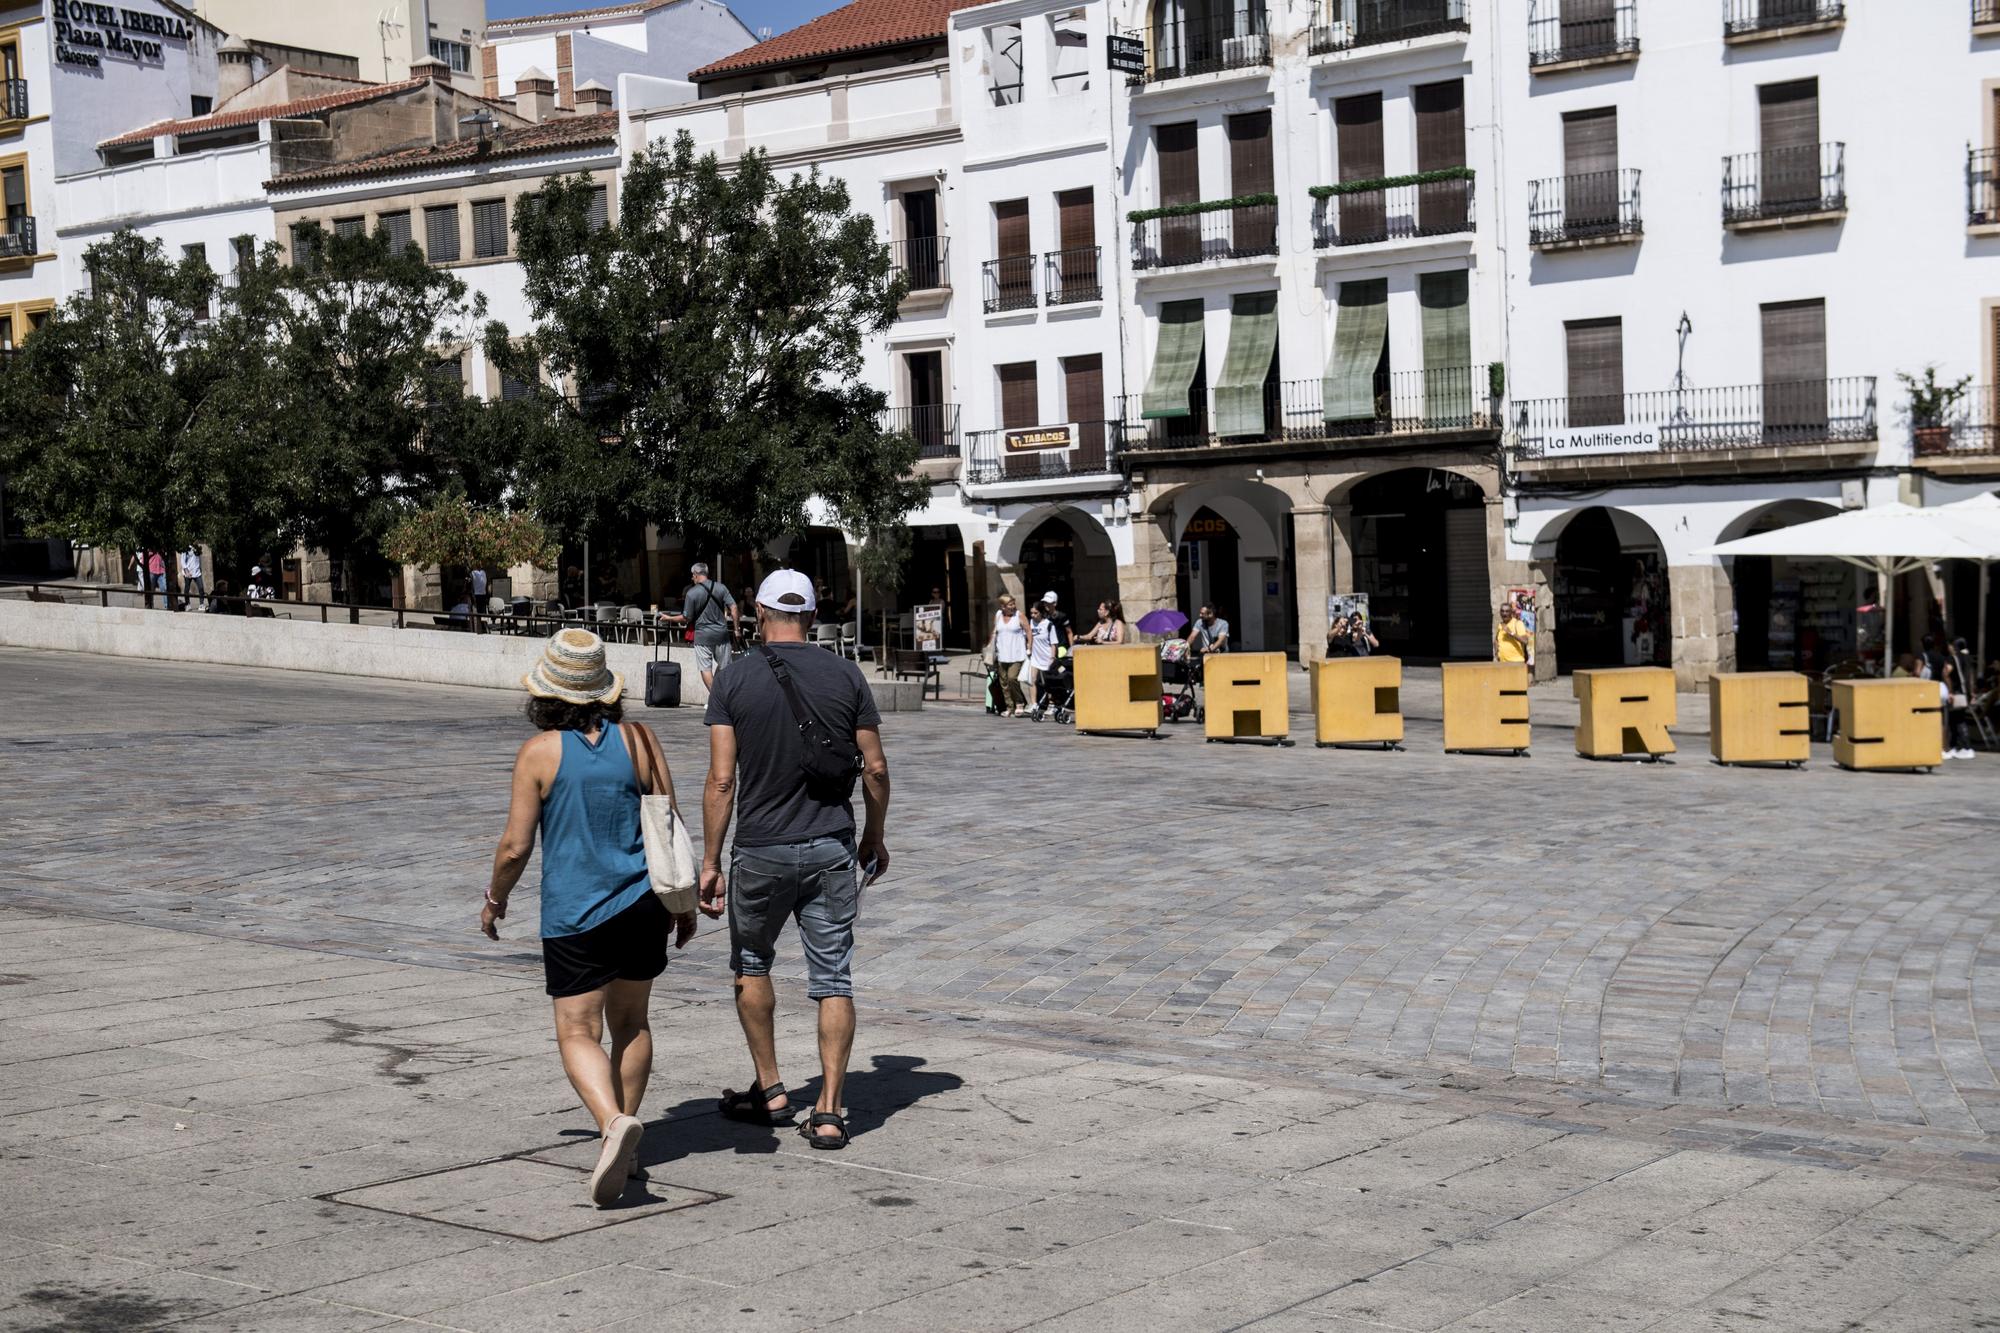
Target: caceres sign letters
(86,33)
(1581,440)
(1038,439)
(1126,55)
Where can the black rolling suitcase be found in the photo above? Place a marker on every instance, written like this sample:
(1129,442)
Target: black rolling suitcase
(663,681)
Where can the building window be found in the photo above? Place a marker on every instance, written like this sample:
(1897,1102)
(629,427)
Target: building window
(199,105)
(6,333)
(512,390)
(600,207)
(1595,353)
(489,228)
(1794,367)
(1069,53)
(1020,396)
(457,56)
(1788,133)
(1003,61)
(1010,279)
(347,227)
(243,256)
(396,226)
(305,245)
(13,88)
(197,255)
(441,233)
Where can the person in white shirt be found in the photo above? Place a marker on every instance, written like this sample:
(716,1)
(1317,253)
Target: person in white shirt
(192,585)
(1009,649)
(479,588)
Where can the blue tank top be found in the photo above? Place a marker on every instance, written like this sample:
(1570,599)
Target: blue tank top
(593,862)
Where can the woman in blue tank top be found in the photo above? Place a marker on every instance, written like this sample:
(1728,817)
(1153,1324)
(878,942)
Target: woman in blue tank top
(604,934)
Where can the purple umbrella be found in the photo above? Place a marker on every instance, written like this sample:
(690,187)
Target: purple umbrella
(1163,621)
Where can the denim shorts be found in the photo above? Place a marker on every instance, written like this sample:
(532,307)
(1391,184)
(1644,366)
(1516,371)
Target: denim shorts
(813,882)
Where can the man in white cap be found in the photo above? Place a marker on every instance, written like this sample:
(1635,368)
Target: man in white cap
(1058,620)
(790,728)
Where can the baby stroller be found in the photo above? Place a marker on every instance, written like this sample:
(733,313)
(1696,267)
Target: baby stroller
(1182,670)
(1056,688)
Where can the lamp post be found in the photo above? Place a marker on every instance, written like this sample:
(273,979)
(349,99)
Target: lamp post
(1683,329)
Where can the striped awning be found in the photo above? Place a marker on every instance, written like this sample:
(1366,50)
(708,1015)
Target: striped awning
(1176,353)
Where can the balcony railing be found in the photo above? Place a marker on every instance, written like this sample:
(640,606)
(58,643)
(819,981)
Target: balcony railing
(1006,94)
(1971,426)
(1230,229)
(1784,182)
(1982,185)
(1208,44)
(1010,283)
(1985,13)
(1073,275)
(1595,206)
(1393,209)
(1343,25)
(1743,416)
(1414,402)
(934,426)
(1747,18)
(924,260)
(17,237)
(1584,34)
(1093,449)
(13,99)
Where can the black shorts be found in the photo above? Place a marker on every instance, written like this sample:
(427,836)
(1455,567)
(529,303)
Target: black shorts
(631,946)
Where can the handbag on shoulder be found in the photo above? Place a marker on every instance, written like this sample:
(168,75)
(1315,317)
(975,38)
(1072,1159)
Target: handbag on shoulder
(671,866)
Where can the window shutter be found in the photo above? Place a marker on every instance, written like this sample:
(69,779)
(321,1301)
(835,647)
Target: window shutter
(1176,357)
(1253,345)
(1083,403)
(396,226)
(1360,334)
(1010,221)
(1590,166)
(347,226)
(512,389)
(1788,122)
(1588,25)
(1440,111)
(1596,359)
(1180,167)
(489,228)
(1447,328)
(1250,153)
(1076,211)
(1020,396)
(1358,136)
(441,234)
(1794,365)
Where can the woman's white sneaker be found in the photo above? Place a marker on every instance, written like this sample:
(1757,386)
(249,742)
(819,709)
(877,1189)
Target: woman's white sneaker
(615,1159)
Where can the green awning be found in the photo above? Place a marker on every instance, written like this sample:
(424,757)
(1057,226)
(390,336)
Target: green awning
(1175,356)
(1253,340)
(1360,330)
(1447,348)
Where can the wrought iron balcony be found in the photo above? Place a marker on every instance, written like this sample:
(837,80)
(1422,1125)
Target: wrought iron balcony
(1073,275)
(1412,402)
(1982,186)
(13,99)
(1006,94)
(1393,209)
(1784,183)
(1746,416)
(1597,207)
(17,238)
(934,426)
(1985,13)
(1743,19)
(1565,38)
(1010,283)
(1971,426)
(1208,44)
(1230,229)
(924,260)
(1073,449)
(1344,25)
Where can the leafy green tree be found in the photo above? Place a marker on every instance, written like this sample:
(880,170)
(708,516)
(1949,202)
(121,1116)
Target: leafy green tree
(704,354)
(131,418)
(457,533)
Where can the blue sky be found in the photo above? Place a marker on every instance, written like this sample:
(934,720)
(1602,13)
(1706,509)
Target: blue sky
(777,15)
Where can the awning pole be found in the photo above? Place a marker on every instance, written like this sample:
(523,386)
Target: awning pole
(1979,653)
(1888,614)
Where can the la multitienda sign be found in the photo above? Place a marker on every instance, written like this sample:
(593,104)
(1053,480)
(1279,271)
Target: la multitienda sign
(86,33)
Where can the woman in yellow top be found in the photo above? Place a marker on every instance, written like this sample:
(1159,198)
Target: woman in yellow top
(1512,640)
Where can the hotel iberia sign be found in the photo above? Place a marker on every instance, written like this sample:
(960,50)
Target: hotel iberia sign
(86,33)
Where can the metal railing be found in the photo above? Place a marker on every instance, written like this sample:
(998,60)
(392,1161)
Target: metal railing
(1985,12)
(934,426)
(1010,283)
(1343,25)
(1596,205)
(1095,451)
(1208,44)
(1784,182)
(1006,94)
(17,237)
(1982,185)
(1741,18)
(1073,275)
(1559,38)
(1741,416)
(1393,213)
(1969,426)
(1411,402)
(924,260)
(13,99)
(1242,232)
(523,616)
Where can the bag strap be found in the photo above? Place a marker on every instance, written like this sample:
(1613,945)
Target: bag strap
(784,677)
(650,745)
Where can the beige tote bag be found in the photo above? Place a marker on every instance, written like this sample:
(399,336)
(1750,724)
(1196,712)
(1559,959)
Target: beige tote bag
(670,859)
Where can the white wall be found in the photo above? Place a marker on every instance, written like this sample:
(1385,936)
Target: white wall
(203,198)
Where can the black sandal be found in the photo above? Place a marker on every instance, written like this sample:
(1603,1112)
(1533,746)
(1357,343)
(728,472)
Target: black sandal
(809,1131)
(753,1107)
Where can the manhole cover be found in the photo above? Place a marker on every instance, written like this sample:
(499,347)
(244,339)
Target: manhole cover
(524,1197)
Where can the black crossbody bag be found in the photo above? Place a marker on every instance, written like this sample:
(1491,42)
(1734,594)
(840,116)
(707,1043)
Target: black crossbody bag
(830,762)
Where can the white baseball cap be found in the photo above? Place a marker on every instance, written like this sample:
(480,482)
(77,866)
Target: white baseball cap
(786,590)
(1049,597)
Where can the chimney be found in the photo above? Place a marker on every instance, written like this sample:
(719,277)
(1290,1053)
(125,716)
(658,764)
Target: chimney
(430,67)
(234,70)
(592,96)
(534,95)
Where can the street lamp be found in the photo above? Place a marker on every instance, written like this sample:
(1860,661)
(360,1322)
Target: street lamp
(1684,328)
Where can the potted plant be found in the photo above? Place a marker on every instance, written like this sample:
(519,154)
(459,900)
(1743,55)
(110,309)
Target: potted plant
(1930,408)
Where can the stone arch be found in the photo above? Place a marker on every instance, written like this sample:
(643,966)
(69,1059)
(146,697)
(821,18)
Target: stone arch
(1418,542)
(1790,614)
(1611,589)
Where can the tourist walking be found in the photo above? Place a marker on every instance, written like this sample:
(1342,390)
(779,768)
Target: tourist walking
(713,623)
(1008,647)
(1041,651)
(604,932)
(789,731)
(1058,619)
(192,585)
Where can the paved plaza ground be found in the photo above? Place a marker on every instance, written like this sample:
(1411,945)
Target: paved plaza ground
(1155,1035)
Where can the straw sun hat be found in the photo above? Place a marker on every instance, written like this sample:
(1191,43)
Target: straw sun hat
(572,669)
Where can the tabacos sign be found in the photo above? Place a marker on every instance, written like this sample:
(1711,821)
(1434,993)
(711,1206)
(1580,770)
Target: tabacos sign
(87,33)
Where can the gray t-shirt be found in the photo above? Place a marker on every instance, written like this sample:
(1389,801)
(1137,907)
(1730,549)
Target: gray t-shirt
(773,807)
(709,605)
(1205,636)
